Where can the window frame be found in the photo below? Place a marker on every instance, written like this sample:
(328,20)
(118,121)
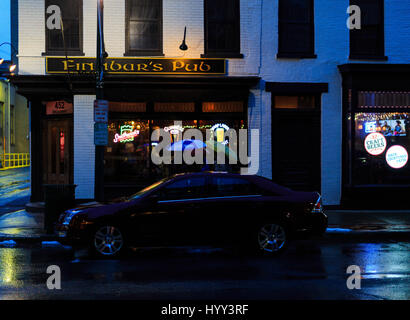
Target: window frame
(381,46)
(54,52)
(183,196)
(212,53)
(297,55)
(143,53)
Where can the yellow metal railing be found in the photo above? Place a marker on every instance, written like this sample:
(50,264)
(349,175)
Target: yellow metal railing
(14,160)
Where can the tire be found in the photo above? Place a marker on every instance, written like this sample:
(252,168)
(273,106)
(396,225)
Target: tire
(271,238)
(107,241)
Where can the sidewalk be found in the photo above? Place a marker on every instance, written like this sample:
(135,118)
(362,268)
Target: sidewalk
(22,226)
(14,189)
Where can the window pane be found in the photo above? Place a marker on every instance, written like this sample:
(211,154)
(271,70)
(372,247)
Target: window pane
(383,99)
(71,12)
(144,35)
(295,38)
(127,154)
(232,186)
(295,10)
(369,40)
(295,102)
(145,23)
(144,9)
(230,106)
(222,18)
(184,189)
(174,107)
(374,163)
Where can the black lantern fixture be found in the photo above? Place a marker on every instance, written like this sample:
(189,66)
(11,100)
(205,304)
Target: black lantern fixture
(183,46)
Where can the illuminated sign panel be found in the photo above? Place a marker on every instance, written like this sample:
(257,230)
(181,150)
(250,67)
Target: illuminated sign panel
(81,65)
(176,129)
(375,144)
(397,157)
(127,135)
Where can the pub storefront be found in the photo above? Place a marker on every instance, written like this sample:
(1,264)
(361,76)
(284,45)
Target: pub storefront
(143,95)
(376,135)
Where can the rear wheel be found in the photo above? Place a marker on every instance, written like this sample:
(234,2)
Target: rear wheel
(272,238)
(108,241)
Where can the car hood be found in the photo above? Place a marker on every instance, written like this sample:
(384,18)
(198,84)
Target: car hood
(98,209)
(301,196)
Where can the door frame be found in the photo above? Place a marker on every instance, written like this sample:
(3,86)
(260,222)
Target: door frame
(68,177)
(297,89)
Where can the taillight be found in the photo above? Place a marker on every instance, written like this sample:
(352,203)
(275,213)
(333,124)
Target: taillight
(318,205)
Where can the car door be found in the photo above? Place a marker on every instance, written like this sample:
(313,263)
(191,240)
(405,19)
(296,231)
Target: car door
(235,205)
(172,212)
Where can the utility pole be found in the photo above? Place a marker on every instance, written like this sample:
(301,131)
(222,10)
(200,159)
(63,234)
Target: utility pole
(99,150)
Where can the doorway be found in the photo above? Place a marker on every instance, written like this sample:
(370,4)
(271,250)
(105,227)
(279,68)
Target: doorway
(57,151)
(296,142)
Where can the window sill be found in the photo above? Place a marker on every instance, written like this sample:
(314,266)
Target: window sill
(296,56)
(368,57)
(223,55)
(63,54)
(144,54)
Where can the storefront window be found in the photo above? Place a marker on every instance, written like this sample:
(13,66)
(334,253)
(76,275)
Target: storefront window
(381,147)
(127,153)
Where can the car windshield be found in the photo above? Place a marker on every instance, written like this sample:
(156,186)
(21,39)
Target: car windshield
(144,191)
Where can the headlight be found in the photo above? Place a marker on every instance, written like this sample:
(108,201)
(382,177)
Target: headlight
(69,216)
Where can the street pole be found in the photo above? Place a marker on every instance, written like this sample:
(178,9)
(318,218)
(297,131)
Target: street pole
(99,150)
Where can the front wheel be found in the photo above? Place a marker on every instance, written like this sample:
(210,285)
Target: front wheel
(272,238)
(108,241)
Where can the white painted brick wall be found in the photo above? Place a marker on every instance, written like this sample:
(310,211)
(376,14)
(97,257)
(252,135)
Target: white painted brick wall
(331,46)
(84,149)
(176,15)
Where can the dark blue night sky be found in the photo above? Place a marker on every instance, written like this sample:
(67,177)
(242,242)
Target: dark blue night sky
(5,28)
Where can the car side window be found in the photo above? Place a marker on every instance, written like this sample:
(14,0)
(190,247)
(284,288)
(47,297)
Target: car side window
(228,186)
(188,188)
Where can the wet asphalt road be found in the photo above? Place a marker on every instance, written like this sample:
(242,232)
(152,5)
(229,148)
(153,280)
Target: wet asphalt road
(309,269)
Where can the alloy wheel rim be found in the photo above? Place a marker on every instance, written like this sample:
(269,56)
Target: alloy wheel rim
(271,237)
(108,240)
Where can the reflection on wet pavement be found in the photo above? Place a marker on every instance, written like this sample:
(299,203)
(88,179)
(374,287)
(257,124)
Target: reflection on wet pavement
(307,270)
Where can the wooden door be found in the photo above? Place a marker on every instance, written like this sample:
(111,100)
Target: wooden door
(296,146)
(57,151)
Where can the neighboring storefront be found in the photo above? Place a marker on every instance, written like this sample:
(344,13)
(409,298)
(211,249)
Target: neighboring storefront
(376,131)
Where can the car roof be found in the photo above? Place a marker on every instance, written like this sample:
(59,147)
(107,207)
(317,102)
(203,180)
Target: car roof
(262,182)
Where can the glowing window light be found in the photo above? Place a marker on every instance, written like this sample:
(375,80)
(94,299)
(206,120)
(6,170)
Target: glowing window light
(219,130)
(127,135)
(176,129)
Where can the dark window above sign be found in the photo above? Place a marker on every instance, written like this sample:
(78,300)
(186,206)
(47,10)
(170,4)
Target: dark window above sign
(296,29)
(143,28)
(367,43)
(72,15)
(222,29)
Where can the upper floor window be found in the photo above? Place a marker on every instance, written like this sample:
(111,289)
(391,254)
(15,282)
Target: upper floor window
(144,27)
(222,28)
(368,42)
(296,29)
(70,41)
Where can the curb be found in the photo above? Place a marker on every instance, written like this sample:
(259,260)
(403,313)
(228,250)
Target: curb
(28,239)
(367,235)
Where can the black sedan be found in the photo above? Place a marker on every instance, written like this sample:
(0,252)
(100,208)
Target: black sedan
(208,208)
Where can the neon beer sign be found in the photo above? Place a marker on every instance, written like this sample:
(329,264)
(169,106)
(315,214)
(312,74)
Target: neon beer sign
(127,135)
